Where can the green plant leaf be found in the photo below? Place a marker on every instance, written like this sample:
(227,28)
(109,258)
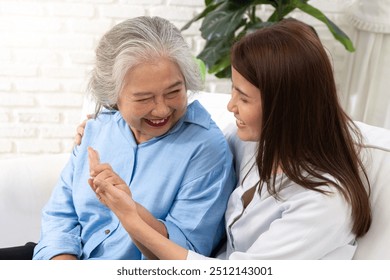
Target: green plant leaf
(209,2)
(280,12)
(254,26)
(215,50)
(333,28)
(202,68)
(265,2)
(225,73)
(221,64)
(206,11)
(223,21)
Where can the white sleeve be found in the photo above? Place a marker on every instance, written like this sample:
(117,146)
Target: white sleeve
(195,256)
(311,226)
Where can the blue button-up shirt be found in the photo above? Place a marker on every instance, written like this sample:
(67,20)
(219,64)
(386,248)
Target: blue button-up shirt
(184,178)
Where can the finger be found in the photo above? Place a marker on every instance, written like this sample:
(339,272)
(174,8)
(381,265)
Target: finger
(91,184)
(109,176)
(101,186)
(93,157)
(104,175)
(113,179)
(99,168)
(103,191)
(95,189)
(77,139)
(102,199)
(80,129)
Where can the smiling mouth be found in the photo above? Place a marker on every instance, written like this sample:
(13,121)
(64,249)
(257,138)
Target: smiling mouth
(239,122)
(157,122)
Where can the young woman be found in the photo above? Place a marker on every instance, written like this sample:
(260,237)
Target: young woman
(305,195)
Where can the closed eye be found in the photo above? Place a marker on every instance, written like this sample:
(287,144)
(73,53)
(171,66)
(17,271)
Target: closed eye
(243,97)
(172,94)
(144,100)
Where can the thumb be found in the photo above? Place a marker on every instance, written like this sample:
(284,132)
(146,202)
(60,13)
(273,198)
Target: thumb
(93,157)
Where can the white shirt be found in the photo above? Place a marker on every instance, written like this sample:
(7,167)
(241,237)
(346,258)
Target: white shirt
(303,224)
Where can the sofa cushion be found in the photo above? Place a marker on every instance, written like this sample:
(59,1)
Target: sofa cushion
(26,185)
(376,157)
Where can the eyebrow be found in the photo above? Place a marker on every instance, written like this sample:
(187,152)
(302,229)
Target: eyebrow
(141,93)
(178,83)
(240,91)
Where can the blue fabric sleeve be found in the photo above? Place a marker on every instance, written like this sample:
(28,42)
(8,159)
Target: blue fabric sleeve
(196,219)
(60,230)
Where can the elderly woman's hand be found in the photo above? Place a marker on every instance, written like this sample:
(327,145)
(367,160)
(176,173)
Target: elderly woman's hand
(110,189)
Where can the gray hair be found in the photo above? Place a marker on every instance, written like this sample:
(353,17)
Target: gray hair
(132,42)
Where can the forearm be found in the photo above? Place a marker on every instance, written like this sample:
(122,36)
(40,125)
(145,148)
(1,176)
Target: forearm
(64,257)
(152,241)
(155,224)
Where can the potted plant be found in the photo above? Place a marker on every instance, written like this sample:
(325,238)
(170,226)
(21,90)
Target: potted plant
(225,21)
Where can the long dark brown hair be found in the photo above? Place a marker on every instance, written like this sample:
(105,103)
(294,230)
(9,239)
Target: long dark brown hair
(304,129)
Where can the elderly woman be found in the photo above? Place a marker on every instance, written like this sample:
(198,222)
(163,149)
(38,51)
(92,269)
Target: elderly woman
(171,155)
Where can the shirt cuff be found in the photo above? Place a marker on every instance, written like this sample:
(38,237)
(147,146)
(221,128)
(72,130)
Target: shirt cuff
(175,234)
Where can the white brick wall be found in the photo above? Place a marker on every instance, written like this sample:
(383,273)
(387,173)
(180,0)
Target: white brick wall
(46,49)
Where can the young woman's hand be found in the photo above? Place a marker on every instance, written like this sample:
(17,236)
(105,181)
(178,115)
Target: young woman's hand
(80,130)
(110,189)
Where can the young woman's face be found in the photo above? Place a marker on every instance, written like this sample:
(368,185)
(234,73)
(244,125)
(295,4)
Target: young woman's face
(245,104)
(153,99)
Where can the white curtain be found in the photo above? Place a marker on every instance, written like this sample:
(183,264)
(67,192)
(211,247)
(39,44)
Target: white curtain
(366,88)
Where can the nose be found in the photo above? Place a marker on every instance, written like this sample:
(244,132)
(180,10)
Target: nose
(231,107)
(161,109)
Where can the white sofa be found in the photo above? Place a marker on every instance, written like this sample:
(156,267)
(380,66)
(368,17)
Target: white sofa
(26,184)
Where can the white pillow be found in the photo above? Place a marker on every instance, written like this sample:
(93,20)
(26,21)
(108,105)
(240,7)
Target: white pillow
(376,156)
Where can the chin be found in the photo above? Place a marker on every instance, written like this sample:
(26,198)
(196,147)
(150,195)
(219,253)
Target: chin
(243,136)
(246,137)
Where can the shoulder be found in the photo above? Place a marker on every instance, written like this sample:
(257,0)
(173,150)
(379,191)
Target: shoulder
(198,115)
(201,137)
(329,204)
(105,123)
(199,119)
(104,119)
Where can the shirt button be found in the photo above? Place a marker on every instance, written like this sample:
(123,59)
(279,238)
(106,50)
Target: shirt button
(107,231)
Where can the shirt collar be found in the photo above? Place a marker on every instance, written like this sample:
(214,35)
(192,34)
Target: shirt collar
(197,114)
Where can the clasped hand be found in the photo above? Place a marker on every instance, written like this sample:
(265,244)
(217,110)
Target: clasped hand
(110,189)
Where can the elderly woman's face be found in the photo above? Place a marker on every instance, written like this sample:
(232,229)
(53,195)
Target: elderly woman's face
(153,99)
